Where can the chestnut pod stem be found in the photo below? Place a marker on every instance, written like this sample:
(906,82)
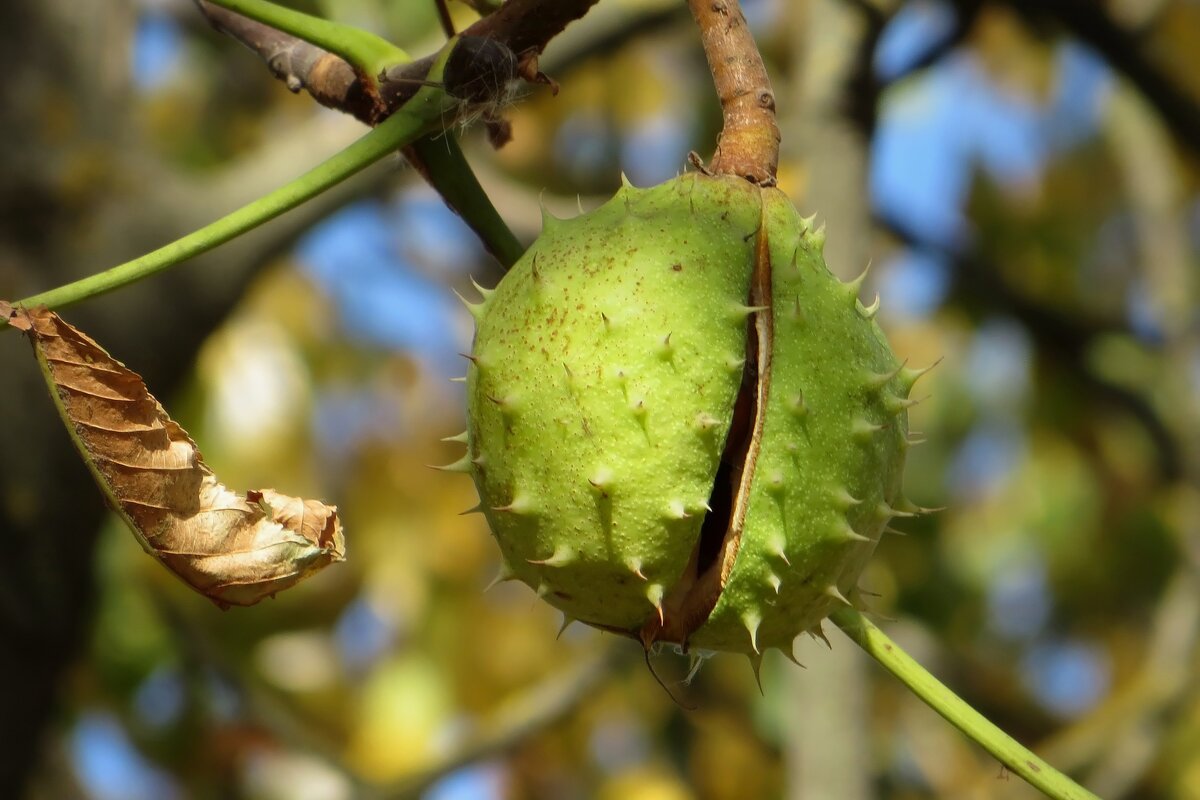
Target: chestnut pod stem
(749,143)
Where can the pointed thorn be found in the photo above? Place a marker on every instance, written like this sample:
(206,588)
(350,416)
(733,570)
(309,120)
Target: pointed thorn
(654,593)
(854,286)
(562,556)
(775,482)
(474,359)
(884,511)
(676,510)
(542,590)
(741,311)
(864,430)
(520,505)
(832,591)
(735,363)
(607,322)
(869,312)
(897,405)
(476,309)
(460,438)
(635,566)
(877,380)
(566,623)
(890,529)
(484,293)
(462,465)
(776,549)
(775,581)
(791,656)
(705,422)
(846,532)
(504,574)
(601,480)
(797,405)
(818,632)
(460,379)
(752,619)
(475,509)
(910,376)
(756,665)
(843,500)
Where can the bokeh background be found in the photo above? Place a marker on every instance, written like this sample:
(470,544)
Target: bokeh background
(1023,178)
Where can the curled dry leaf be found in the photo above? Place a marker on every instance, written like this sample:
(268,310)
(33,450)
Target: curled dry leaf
(233,549)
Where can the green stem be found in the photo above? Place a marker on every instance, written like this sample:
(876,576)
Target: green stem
(957,712)
(415,118)
(370,54)
(448,171)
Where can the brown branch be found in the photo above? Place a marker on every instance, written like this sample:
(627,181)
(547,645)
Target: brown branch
(524,26)
(749,143)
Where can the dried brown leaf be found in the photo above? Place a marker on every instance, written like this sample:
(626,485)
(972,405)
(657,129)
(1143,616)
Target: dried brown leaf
(233,549)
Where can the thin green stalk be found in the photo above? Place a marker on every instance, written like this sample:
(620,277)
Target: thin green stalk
(958,712)
(414,119)
(370,54)
(449,172)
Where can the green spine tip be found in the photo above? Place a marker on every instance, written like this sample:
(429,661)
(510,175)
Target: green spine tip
(666,350)
(818,632)
(505,573)
(817,238)
(774,581)
(884,511)
(534,272)
(797,312)
(808,223)
(752,619)
(562,556)
(909,376)
(625,184)
(521,504)
(506,404)
(835,593)
(797,405)
(601,479)
(461,438)
(484,293)
(566,623)
(864,430)
(474,359)
(896,405)
(775,482)
(462,465)
(854,286)
(845,532)
(741,312)
(476,309)
(869,312)
(459,379)
(735,363)
(638,406)
(676,510)
(756,660)
(842,499)
(910,441)
(891,530)
(776,548)
(635,566)
(654,593)
(878,380)
(475,509)
(706,422)
(606,320)
(791,656)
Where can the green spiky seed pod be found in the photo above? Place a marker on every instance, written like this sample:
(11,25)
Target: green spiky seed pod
(682,426)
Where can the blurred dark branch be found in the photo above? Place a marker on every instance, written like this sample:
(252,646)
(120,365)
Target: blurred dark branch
(525,26)
(1063,337)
